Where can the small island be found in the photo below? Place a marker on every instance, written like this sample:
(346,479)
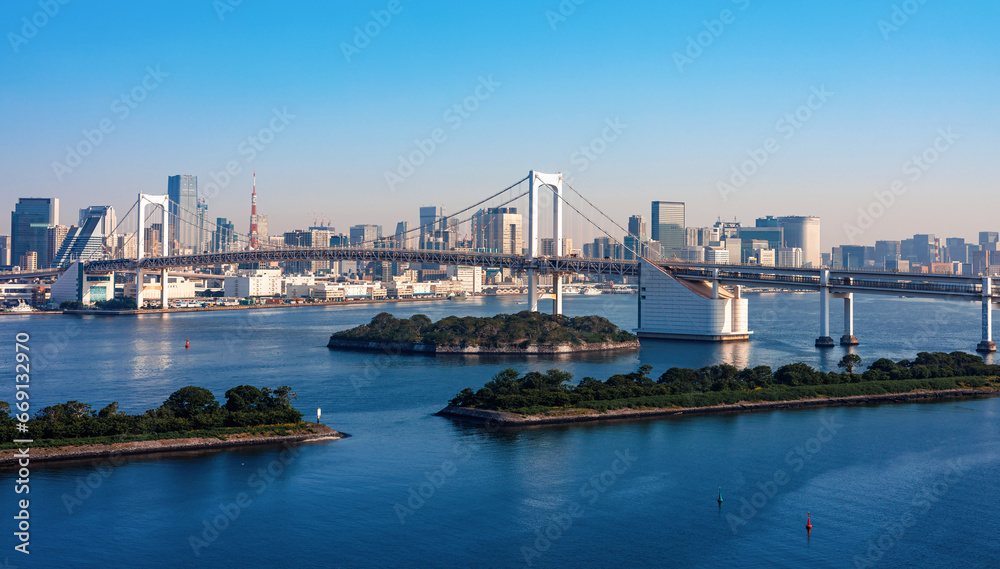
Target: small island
(522,333)
(190,419)
(512,399)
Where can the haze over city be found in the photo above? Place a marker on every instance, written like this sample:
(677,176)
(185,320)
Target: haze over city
(832,101)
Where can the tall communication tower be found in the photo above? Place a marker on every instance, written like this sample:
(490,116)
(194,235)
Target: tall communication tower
(253,214)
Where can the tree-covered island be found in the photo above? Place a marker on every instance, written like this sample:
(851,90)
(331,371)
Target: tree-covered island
(524,332)
(551,394)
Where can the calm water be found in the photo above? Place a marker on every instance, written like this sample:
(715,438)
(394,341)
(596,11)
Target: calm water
(887,486)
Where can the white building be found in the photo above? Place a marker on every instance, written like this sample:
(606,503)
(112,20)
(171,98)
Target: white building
(717,255)
(688,310)
(470,277)
(177,287)
(765,257)
(261,282)
(789,257)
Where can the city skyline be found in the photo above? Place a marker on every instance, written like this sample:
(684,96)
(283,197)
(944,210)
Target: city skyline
(728,130)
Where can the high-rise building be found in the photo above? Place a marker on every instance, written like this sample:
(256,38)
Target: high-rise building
(637,227)
(775,236)
(108,219)
(769,221)
(789,257)
(262,234)
(224,236)
(502,230)
(988,237)
(402,238)
(668,227)
(803,232)
(56,236)
(29,261)
(84,242)
(431,220)
(886,250)
(204,232)
(547,246)
(5,250)
(29,227)
(365,235)
(182,190)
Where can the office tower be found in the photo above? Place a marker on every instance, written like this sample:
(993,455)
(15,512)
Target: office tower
(204,232)
(84,242)
(775,236)
(957,252)
(502,230)
(604,248)
(886,250)
(182,190)
(853,256)
(5,250)
(637,227)
(547,246)
(365,235)
(224,236)
(108,222)
(789,257)
(29,227)
(54,240)
(803,232)
(668,227)
(431,220)
(402,238)
(262,234)
(769,221)
(988,237)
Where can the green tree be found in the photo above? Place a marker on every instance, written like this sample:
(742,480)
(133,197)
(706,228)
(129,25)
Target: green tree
(849,362)
(190,401)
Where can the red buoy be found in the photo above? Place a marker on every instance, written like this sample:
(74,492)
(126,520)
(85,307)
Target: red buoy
(809,524)
(187,344)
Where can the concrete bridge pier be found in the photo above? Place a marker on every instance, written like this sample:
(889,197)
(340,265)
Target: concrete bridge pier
(848,339)
(987,345)
(163,289)
(532,290)
(824,340)
(557,294)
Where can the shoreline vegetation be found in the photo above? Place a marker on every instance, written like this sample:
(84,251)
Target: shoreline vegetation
(522,333)
(535,398)
(189,419)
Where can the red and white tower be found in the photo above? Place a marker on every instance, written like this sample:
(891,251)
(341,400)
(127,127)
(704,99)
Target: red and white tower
(254,244)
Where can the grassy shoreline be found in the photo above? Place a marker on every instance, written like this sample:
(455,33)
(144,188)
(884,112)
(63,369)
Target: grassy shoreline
(565,415)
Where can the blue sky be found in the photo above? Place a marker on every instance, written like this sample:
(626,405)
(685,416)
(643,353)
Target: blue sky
(557,73)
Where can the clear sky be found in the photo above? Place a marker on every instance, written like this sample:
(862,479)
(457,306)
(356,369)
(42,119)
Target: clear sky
(695,88)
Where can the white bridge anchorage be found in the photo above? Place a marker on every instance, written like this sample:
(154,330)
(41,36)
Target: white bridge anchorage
(676,300)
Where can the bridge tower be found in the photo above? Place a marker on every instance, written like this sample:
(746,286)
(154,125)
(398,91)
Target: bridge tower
(151,200)
(537,182)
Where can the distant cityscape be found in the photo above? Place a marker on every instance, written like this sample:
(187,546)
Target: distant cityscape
(39,241)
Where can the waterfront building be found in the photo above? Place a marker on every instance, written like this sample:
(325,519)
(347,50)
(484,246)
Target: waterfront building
(803,232)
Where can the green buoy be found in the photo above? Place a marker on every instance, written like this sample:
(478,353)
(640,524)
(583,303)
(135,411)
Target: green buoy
(720,496)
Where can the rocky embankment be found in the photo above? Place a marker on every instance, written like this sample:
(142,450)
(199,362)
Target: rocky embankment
(313,432)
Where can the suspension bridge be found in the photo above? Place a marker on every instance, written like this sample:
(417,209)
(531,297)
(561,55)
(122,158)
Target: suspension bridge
(676,300)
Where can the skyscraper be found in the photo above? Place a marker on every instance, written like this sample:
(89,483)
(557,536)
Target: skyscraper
(83,242)
(502,230)
(182,190)
(107,216)
(637,227)
(29,227)
(56,236)
(431,220)
(403,239)
(364,235)
(668,227)
(224,236)
(203,231)
(803,232)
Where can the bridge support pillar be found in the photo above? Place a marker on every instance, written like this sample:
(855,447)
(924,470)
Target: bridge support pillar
(532,290)
(557,294)
(848,339)
(138,288)
(163,289)
(824,340)
(987,345)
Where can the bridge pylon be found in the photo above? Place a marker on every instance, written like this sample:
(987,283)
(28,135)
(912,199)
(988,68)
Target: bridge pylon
(151,200)
(536,182)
